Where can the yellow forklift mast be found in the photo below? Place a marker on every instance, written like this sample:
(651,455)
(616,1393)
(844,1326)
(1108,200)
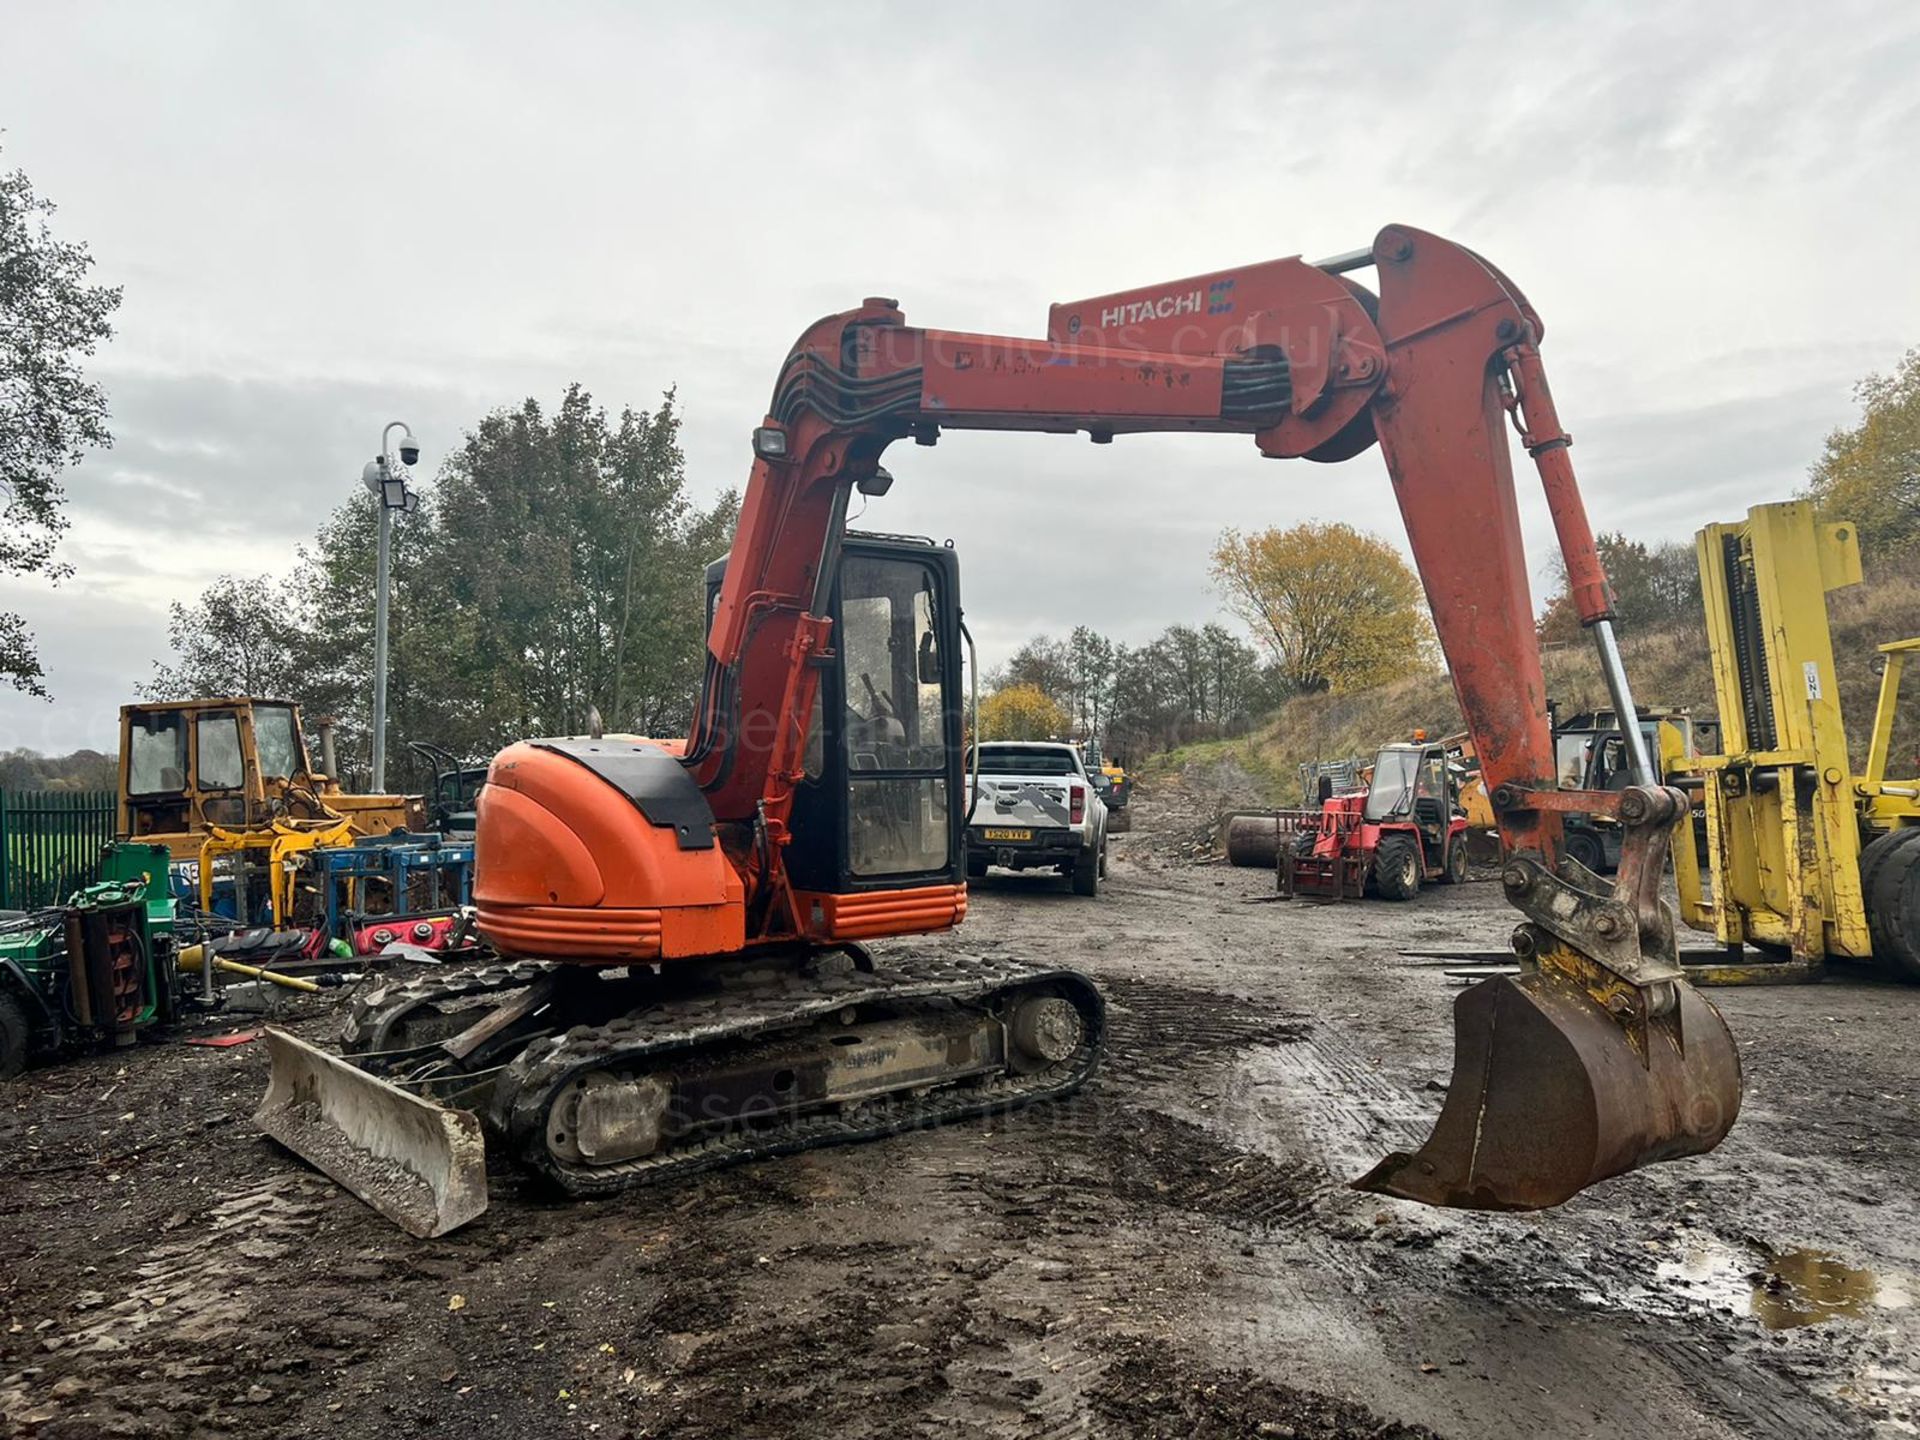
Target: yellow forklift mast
(1789,823)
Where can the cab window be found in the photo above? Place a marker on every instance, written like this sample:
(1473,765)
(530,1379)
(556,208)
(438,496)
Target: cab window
(1395,773)
(895,726)
(1570,759)
(157,754)
(217,766)
(896,712)
(277,740)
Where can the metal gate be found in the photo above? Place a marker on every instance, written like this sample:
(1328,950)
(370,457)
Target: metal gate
(50,843)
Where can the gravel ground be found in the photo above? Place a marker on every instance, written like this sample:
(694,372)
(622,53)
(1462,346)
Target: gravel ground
(1173,1253)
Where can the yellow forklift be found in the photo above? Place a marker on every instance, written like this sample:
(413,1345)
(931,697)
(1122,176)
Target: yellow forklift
(1806,860)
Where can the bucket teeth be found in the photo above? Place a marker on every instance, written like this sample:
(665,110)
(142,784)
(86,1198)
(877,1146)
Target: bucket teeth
(421,1165)
(1551,1092)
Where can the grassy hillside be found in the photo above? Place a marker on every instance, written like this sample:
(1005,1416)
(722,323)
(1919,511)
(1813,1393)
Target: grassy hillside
(1668,668)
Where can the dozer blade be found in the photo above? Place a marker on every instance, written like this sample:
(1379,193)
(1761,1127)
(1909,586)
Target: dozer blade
(1551,1093)
(421,1165)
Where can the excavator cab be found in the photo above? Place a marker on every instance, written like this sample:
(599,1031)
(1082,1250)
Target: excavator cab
(876,810)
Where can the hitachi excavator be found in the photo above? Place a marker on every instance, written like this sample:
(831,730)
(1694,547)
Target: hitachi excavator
(683,924)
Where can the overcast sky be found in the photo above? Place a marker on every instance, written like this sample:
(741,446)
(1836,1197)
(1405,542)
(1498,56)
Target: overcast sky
(326,217)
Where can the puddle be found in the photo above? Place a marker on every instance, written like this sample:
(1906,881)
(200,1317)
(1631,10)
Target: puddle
(1786,1289)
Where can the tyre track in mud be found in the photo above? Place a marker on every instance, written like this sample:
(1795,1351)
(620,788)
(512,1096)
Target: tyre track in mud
(159,1357)
(1344,1110)
(1011,1329)
(1349,1112)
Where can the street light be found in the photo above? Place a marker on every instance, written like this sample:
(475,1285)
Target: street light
(388,482)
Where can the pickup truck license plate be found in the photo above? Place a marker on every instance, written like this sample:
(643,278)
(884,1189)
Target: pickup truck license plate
(1009,834)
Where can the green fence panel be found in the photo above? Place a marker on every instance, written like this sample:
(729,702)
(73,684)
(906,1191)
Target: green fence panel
(50,843)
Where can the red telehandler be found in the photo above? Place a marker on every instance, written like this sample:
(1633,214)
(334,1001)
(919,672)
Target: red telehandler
(1404,830)
(683,923)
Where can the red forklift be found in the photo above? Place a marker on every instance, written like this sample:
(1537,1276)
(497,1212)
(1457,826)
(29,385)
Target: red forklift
(1407,828)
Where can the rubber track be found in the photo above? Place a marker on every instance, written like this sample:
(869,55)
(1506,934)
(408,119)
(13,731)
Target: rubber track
(375,1013)
(530,1085)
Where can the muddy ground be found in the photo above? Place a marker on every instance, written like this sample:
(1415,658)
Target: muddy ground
(1170,1254)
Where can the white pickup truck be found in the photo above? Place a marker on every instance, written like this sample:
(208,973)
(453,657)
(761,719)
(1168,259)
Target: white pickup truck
(1037,808)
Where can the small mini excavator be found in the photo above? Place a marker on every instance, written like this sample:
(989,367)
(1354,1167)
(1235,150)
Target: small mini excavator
(682,925)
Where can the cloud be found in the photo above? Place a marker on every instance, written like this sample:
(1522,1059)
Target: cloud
(95,649)
(228,465)
(1711,217)
(208,475)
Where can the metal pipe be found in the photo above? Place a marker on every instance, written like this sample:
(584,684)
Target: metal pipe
(272,977)
(329,757)
(206,979)
(380,654)
(1625,715)
(1867,789)
(194,957)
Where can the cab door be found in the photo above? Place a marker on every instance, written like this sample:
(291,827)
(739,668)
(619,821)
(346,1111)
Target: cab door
(1432,805)
(879,808)
(154,797)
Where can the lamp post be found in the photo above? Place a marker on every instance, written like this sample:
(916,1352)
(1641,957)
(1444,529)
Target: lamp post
(388,482)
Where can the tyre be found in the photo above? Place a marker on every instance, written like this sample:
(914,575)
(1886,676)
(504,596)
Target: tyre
(1455,872)
(15,1036)
(1103,861)
(1873,858)
(1895,902)
(976,867)
(1588,848)
(1086,874)
(1396,867)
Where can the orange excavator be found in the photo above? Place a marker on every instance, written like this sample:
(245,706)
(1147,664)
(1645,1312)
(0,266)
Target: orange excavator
(682,925)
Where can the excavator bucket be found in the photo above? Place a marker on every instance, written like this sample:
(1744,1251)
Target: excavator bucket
(423,1166)
(1551,1093)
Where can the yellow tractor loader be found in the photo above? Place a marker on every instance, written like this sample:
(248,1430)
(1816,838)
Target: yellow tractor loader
(189,766)
(230,781)
(1806,860)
